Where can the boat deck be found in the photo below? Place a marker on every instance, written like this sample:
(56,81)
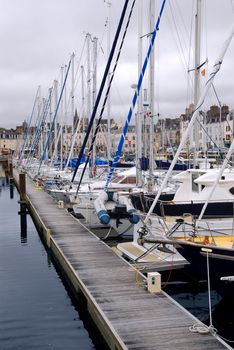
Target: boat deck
(127,315)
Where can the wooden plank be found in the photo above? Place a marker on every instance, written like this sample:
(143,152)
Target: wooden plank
(127,315)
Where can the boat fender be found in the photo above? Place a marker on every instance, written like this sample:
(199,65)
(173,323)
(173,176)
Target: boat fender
(133,216)
(99,205)
(103,216)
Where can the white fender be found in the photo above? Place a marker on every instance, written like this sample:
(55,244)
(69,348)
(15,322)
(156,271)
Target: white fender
(133,215)
(99,205)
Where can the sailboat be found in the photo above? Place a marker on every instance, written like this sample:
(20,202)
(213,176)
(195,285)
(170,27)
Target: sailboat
(193,190)
(194,184)
(212,254)
(217,252)
(198,186)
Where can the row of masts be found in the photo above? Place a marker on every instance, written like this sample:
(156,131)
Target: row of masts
(61,100)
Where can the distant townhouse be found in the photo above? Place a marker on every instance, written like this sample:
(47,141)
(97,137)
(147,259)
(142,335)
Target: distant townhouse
(219,126)
(11,139)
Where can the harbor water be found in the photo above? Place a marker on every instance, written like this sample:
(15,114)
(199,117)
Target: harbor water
(37,310)
(193,295)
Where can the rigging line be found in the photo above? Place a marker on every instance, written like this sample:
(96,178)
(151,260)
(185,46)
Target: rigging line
(77,128)
(183,30)
(79,63)
(206,30)
(135,96)
(29,124)
(34,131)
(178,36)
(182,20)
(215,70)
(102,38)
(220,106)
(148,251)
(41,125)
(101,87)
(54,117)
(189,78)
(158,79)
(116,89)
(216,146)
(232,6)
(106,96)
(198,67)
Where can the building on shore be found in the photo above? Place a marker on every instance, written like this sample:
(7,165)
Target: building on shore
(11,139)
(216,132)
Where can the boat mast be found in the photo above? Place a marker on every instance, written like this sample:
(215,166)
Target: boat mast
(83,102)
(152,68)
(139,102)
(88,110)
(55,124)
(94,95)
(40,124)
(215,70)
(108,83)
(197,57)
(61,121)
(135,96)
(100,91)
(72,99)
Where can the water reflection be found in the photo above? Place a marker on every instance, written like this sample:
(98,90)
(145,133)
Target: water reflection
(194,298)
(12,190)
(23,227)
(36,311)
(223,319)
(7,180)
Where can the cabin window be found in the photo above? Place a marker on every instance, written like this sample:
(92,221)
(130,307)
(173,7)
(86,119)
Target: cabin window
(232,190)
(131,180)
(117,179)
(127,180)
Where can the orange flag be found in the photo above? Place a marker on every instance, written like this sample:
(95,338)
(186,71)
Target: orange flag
(203,72)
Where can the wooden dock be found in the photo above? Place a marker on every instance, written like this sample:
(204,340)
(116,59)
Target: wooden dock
(127,315)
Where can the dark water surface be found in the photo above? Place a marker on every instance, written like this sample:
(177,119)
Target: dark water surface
(36,311)
(193,296)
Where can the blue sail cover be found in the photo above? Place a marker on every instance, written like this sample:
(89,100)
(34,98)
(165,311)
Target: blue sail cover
(73,161)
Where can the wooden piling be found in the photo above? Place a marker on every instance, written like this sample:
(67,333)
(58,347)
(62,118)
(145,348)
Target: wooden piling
(10,169)
(22,190)
(22,187)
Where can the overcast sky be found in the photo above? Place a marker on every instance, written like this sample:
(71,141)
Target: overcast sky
(38,37)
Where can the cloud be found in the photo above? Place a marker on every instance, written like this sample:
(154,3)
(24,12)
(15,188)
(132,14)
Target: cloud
(38,37)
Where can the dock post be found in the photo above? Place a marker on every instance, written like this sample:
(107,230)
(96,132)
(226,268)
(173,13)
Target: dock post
(10,170)
(22,187)
(11,190)
(22,191)
(23,207)
(23,226)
